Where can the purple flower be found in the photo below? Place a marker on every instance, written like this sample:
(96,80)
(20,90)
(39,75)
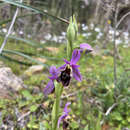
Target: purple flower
(64,115)
(50,86)
(70,67)
(85,47)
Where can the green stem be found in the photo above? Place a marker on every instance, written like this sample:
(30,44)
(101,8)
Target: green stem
(56,106)
(69,50)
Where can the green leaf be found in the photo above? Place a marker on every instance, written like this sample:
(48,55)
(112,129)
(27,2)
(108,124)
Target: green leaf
(42,126)
(23,103)
(116,116)
(98,126)
(74,125)
(86,127)
(128,119)
(33,123)
(84,122)
(32,126)
(33,108)
(27,94)
(39,96)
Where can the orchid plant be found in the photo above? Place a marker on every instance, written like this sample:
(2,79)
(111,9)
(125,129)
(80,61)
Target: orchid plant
(61,77)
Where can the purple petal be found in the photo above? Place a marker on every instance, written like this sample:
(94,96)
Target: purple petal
(76,73)
(75,66)
(49,87)
(85,46)
(54,71)
(66,107)
(65,113)
(67,62)
(75,56)
(61,118)
(62,67)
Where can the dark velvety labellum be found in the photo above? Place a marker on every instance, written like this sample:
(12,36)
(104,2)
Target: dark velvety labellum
(65,125)
(53,91)
(65,77)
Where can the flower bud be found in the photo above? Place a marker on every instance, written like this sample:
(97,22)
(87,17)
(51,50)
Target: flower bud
(75,26)
(71,36)
(71,31)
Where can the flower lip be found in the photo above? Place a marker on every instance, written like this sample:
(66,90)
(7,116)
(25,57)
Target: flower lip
(65,76)
(71,68)
(65,125)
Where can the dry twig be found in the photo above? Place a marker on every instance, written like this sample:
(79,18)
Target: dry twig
(108,111)
(10,28)
(24,115)
(115,47)
(119,22)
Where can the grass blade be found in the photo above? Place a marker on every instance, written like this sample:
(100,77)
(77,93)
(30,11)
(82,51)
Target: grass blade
(29,42)
(34,9)
(10,28)
(9,20)
(3,57)
(23,55)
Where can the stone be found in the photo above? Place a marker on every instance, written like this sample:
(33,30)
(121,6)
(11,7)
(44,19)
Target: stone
(9,81)
(53,50)
(43,60)
(33,69)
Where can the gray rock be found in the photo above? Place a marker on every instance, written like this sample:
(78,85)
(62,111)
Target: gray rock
(9,81)
(33,70)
